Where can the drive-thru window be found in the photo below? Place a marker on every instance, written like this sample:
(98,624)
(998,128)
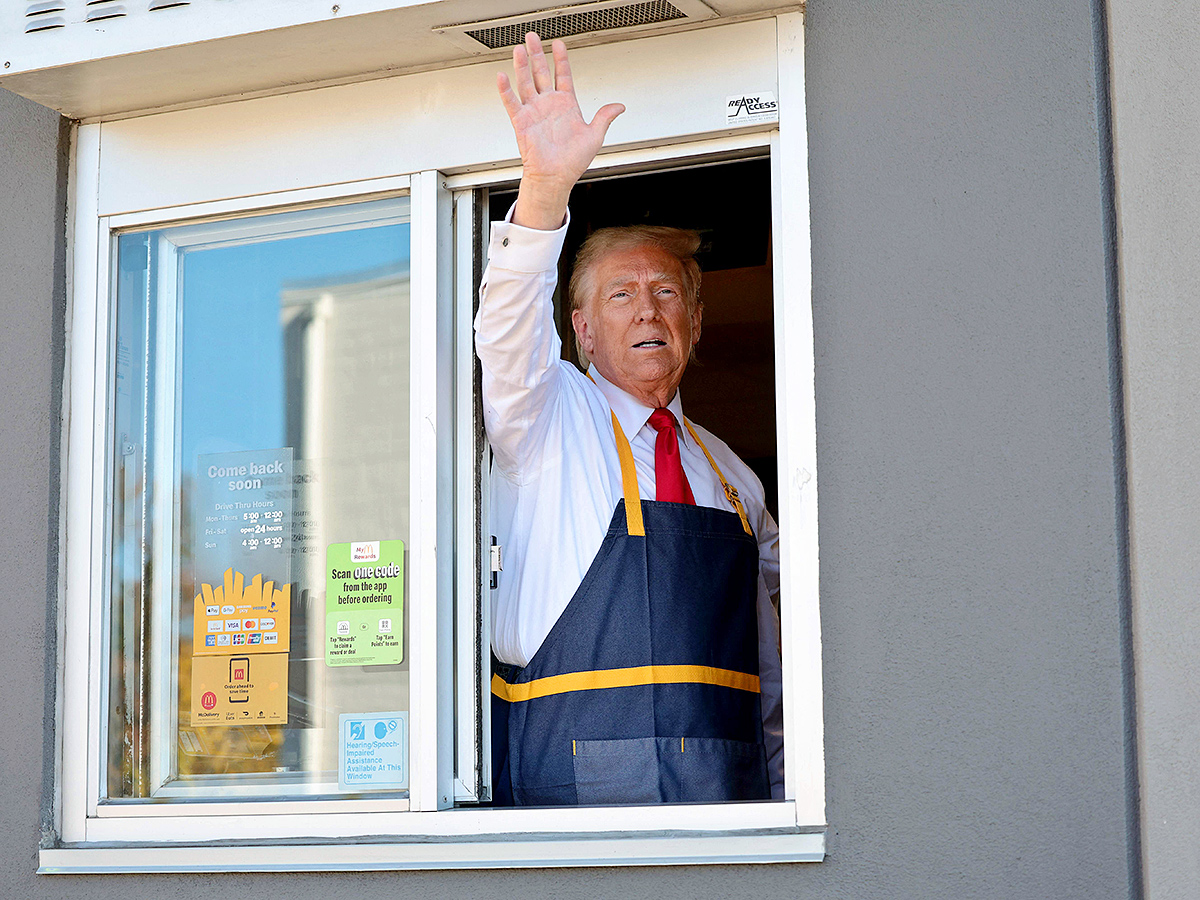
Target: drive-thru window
(277,558)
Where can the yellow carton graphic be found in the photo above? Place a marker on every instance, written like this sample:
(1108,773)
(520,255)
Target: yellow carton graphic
(235,618)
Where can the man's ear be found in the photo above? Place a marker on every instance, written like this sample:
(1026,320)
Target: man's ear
(696,316)
(582,333)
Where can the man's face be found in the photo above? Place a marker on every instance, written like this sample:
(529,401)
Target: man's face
(638,328)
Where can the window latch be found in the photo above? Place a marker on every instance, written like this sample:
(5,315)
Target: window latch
(497,563)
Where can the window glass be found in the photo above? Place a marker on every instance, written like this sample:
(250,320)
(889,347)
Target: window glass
(259,491)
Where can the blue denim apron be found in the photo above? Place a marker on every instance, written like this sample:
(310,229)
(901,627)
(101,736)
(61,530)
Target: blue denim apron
(646,689)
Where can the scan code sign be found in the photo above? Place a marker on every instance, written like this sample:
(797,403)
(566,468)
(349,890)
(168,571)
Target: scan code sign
(364,603)
(373,751)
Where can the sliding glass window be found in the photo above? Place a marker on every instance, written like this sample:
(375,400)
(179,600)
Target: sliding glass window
(259,496)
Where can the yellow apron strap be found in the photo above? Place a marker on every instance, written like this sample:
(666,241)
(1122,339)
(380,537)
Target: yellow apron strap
(636,676)
(730,491)
(633,496)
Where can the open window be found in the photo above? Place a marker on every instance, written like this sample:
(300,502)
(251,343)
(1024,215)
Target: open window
(726,199)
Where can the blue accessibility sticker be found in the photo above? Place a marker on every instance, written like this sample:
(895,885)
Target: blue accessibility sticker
(373,751)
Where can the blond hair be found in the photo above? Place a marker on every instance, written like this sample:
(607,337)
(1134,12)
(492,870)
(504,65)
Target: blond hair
(678,242)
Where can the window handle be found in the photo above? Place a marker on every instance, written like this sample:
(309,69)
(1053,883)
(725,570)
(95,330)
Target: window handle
(497,563)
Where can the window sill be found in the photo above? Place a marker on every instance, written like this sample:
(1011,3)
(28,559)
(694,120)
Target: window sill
(484,852)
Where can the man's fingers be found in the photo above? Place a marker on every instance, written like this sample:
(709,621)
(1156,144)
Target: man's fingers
(562,68)
(525,87)
(604,117)
(512,103)
(542,79)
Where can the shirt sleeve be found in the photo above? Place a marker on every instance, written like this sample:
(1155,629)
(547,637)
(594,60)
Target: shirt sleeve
(517,343)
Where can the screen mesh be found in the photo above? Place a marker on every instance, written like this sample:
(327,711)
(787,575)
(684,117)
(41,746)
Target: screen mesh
(568,24)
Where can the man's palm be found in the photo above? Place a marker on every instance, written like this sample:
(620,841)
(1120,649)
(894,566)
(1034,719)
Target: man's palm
(553,139)
(555,142)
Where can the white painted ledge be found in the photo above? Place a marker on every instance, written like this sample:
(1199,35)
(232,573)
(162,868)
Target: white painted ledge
(526,852)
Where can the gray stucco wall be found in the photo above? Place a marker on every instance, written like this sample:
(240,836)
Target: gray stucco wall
(971,566)
(32,234)
(1157,123)
(970,574)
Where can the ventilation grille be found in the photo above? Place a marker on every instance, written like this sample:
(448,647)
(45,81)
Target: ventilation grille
(99,10)
(569,24)
(40,15)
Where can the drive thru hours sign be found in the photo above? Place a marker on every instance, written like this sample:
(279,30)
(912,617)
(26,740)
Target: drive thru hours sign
(373,751)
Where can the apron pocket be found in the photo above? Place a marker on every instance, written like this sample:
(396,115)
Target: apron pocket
(669,770)
(712,770)
(616,772)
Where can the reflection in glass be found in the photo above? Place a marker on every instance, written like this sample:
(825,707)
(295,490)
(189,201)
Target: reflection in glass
(260,413)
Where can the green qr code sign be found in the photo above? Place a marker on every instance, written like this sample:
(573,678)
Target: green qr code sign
(364,603)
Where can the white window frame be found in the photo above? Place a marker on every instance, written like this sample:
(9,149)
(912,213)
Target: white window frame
(426,831)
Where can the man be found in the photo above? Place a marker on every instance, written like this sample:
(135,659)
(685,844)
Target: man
(633,627)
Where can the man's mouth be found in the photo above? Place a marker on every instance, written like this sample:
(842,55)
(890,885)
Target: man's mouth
(653,342)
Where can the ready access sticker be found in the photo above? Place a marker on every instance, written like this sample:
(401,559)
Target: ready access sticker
(373,751)
(364,603)
(750,109)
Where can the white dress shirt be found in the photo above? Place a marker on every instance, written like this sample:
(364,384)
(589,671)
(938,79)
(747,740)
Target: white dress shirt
(556,475)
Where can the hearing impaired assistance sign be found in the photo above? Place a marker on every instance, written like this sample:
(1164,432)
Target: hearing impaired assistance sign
(373,751)
(364,603)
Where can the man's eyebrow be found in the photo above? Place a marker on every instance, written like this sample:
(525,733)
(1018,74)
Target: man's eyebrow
(616,282)
(632,279)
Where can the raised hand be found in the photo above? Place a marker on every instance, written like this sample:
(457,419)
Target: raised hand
(555,142)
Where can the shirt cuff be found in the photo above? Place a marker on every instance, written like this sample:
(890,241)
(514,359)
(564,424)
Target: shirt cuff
(516,248)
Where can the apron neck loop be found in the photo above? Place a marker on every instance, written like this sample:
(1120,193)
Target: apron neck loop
(633,495)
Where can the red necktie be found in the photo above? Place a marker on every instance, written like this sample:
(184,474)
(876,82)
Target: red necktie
(671,483)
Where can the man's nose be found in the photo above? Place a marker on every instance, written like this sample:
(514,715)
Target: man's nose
(646,306)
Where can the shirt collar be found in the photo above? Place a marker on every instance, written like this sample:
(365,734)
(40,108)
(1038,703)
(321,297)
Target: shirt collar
(631,412)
